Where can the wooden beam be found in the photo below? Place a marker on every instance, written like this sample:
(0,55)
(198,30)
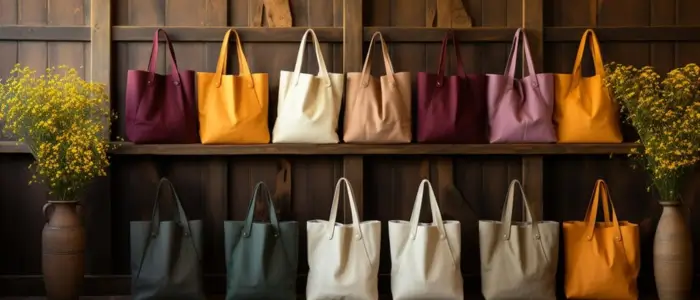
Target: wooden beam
(533,183)
(352,36)
(45,33)
(533,23)
(353,170)
(353,165)
(625,34)
(216,33)
(357,149)
(435,35)
(98,211)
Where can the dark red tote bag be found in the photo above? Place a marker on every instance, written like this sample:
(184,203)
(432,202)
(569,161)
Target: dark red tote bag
(451,109)
(161,109)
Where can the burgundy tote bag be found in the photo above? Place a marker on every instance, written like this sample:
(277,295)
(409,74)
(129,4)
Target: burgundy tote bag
(520,110)
(161,109)
(451,109)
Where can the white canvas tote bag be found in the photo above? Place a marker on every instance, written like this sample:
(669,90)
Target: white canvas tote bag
(518,260)
(308,106)
(425,258)
(343,258)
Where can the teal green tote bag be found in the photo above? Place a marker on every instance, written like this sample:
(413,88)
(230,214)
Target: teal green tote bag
(261,258)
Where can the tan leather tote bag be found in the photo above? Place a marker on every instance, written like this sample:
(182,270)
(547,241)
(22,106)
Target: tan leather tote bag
(343,258)
(378,110)
(425,257)
(518,260)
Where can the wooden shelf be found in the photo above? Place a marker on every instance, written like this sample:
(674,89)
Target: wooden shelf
(355,149)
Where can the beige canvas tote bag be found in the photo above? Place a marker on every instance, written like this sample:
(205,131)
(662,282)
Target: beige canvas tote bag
(518,259)
(425,257)
(308,106)
(343,258)
(378,110)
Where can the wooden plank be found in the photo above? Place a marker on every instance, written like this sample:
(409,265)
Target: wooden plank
(330,34)
(625,34)
(533,183)
(277,13)
(214,33)
(533,22)
(45,33)
(435,35)
(353,171)
(352,36)
(355,149)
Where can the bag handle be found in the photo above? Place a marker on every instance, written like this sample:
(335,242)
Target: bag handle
(601,188)
(597,58)
(353,209)
(507,212)
(388,66)
(154,57)
(251,211)
(243,68)
(435,210)
(513,59)
(322,71)
(180,218)
(450,35)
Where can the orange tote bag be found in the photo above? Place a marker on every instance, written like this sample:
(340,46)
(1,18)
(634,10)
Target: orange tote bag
(233,108)
(584,111)
(602,259)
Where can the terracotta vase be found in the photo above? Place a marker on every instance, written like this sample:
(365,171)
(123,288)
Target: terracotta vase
(673,254)
(63,247)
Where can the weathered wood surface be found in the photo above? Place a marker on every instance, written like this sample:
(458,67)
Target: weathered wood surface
(215,182)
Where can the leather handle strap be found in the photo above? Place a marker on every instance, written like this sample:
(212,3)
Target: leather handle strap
(513,58)
(388,66)
(180,219)
(353,209)
(601,188)
(243,68)
(597,57)
(434,207)
(507,212)
(180,216)
(322,71)
(154,56)
(251,210)
(450,35)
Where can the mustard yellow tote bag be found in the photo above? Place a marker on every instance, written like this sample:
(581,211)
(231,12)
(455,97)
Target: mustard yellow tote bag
(233,108)
(584,111)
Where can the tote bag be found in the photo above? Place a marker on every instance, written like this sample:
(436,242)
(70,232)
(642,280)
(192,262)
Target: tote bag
(343,259)
(378,110)
(602,259)
(261,258)
(520,110)
(451,109)
(308,105)
(161,109)
(518,260)
(233,109)
(166,255)
(584,111)
(420,274)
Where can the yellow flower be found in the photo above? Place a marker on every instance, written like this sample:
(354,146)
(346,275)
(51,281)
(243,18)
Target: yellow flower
(666,114)
(61,118)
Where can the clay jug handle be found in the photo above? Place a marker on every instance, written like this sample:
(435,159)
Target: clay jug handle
(43,210)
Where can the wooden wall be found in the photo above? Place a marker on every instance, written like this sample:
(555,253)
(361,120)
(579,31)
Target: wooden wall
(106,39)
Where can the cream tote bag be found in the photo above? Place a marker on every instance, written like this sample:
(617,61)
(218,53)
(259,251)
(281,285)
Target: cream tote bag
(425,258)
(343,258)
(518,260)
(308,106)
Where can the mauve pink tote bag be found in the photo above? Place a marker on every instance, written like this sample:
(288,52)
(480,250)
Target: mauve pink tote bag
(520,110)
